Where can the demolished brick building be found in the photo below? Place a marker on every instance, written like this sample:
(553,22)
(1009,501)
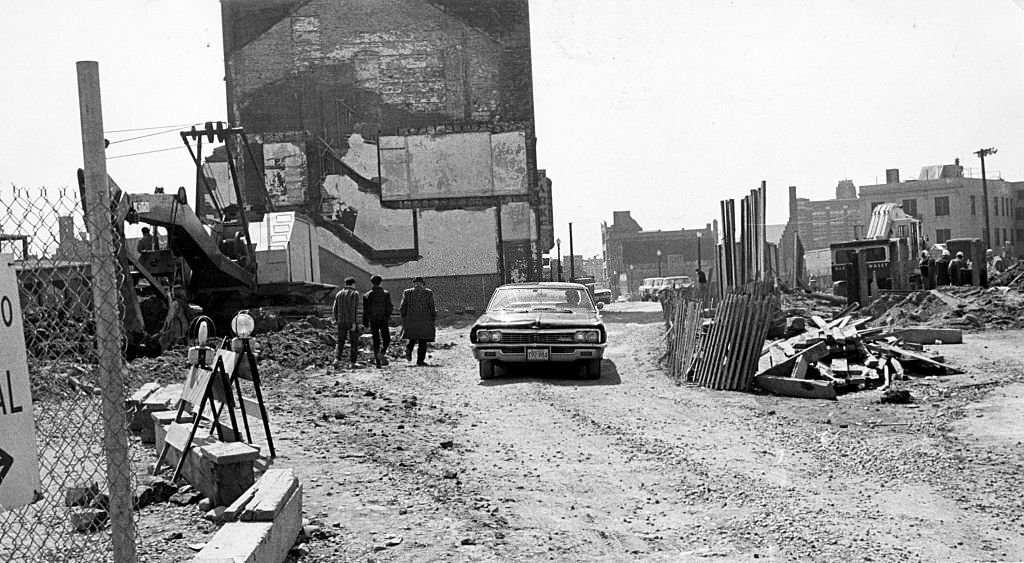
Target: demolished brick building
(404,129)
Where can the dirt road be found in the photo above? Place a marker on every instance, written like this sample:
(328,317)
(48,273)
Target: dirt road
(431,464)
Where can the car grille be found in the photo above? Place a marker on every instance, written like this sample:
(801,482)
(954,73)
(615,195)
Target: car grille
(537,337)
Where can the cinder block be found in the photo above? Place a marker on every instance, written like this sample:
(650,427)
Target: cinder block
(222,471)
(259,542)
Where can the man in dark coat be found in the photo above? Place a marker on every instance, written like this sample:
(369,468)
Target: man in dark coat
(346,315)
(377,310)
(418,316)
(942,269)
(956,266)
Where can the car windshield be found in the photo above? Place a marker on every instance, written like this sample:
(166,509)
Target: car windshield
(527,299)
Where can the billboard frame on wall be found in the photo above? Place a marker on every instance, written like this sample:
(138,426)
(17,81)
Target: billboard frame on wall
(477,164)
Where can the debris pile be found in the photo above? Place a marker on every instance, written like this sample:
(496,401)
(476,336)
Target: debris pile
(844,354)
(967,307)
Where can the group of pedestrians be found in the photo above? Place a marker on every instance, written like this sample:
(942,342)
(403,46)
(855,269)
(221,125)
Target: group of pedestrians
(957,269)
(353,312)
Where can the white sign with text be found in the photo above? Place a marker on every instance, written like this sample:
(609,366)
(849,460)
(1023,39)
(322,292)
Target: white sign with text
(19,463)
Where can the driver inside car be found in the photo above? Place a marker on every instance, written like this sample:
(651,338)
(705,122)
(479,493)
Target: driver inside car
(572,297)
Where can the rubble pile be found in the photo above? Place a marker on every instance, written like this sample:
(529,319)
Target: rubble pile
(967,307)
(841,355)
(311,342)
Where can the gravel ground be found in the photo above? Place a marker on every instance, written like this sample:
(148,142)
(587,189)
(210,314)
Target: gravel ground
(431,464)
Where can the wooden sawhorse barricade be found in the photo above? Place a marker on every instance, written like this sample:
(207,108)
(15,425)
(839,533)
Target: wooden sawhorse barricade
(218,387)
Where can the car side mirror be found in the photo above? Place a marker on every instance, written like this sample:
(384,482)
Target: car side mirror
(600,304)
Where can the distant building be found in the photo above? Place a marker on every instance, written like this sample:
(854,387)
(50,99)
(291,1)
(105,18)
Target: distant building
(820,223)
(632,254)
(949,202)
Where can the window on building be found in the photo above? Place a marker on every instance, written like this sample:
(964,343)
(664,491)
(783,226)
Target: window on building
(942,235)
(974,205)
(942,206)
(995,206)
(910,207)
(1019,236)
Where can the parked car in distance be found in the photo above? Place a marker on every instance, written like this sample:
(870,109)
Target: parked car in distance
(646,289)
(603,296)
(544,322)
(679,282)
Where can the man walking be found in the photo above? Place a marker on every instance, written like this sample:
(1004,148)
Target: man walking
(377,310)
(346,315)
(418,316)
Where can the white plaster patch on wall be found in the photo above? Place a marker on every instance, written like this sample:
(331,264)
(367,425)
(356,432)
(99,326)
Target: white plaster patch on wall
(361,157)
(361,213)
(452,243)
(284,166)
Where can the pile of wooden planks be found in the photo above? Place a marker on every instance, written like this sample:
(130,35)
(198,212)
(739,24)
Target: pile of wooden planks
(729,350)
(683,337)
(843,355)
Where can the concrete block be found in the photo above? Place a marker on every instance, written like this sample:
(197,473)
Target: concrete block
(222,471)
(137,419)
(259,542)
(160,419)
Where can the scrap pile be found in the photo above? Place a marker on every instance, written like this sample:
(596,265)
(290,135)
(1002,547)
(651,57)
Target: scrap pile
(966,307)
(844,354)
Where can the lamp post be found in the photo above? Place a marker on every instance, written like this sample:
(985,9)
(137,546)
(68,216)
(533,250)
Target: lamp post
(558,244)
(982,153)
(629,279)
(572,257)
(659,263)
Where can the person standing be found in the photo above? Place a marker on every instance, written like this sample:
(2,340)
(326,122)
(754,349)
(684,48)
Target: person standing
(956,266)
(346,315)
(148,242)
(927,266)
(377,310)
(942,269)
(418,317)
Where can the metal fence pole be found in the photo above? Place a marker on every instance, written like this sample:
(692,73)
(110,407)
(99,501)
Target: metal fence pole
(108,322)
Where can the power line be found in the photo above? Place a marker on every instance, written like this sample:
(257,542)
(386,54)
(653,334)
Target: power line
(145,152)
(163,132)
(148,128)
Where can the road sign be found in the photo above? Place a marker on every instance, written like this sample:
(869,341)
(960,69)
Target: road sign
(19,464)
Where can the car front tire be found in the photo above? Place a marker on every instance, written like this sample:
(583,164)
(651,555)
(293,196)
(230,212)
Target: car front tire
(592,369)
(486,369)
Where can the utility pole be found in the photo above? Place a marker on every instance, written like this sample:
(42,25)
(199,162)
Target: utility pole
(659,263)
(558,244)
(108,335)
(982,153)
(699,236)
(572,258)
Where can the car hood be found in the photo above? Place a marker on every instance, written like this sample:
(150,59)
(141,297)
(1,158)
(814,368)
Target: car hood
(538,319)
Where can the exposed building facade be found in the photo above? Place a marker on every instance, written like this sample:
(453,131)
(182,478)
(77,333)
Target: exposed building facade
(403,128)
(632,254)
(949,203)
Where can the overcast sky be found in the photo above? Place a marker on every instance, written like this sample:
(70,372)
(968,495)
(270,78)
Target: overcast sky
(661,107)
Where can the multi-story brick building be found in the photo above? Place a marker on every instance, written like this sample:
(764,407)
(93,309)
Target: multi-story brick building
(821,223)
(950,203)
(403,128)
(632,254)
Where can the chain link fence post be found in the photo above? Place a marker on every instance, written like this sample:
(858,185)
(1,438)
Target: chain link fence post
(107,313)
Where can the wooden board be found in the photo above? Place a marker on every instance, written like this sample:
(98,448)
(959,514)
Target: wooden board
(790,387)
(894,350)
(812,354)
(926,335)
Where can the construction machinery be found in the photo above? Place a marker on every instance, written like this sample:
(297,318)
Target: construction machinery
(216,266)
(886,260)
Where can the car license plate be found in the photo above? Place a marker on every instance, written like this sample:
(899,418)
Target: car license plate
(537,354)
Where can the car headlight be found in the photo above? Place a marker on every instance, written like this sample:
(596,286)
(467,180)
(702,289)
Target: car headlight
(593,336)
(587,336)
(483,336)
(580,336)
(496,336)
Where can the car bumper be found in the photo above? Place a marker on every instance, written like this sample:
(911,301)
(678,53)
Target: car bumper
(518,354)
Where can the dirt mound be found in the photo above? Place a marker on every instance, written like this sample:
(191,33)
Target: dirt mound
(968,308)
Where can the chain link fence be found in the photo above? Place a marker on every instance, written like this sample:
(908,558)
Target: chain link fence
(86,467)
